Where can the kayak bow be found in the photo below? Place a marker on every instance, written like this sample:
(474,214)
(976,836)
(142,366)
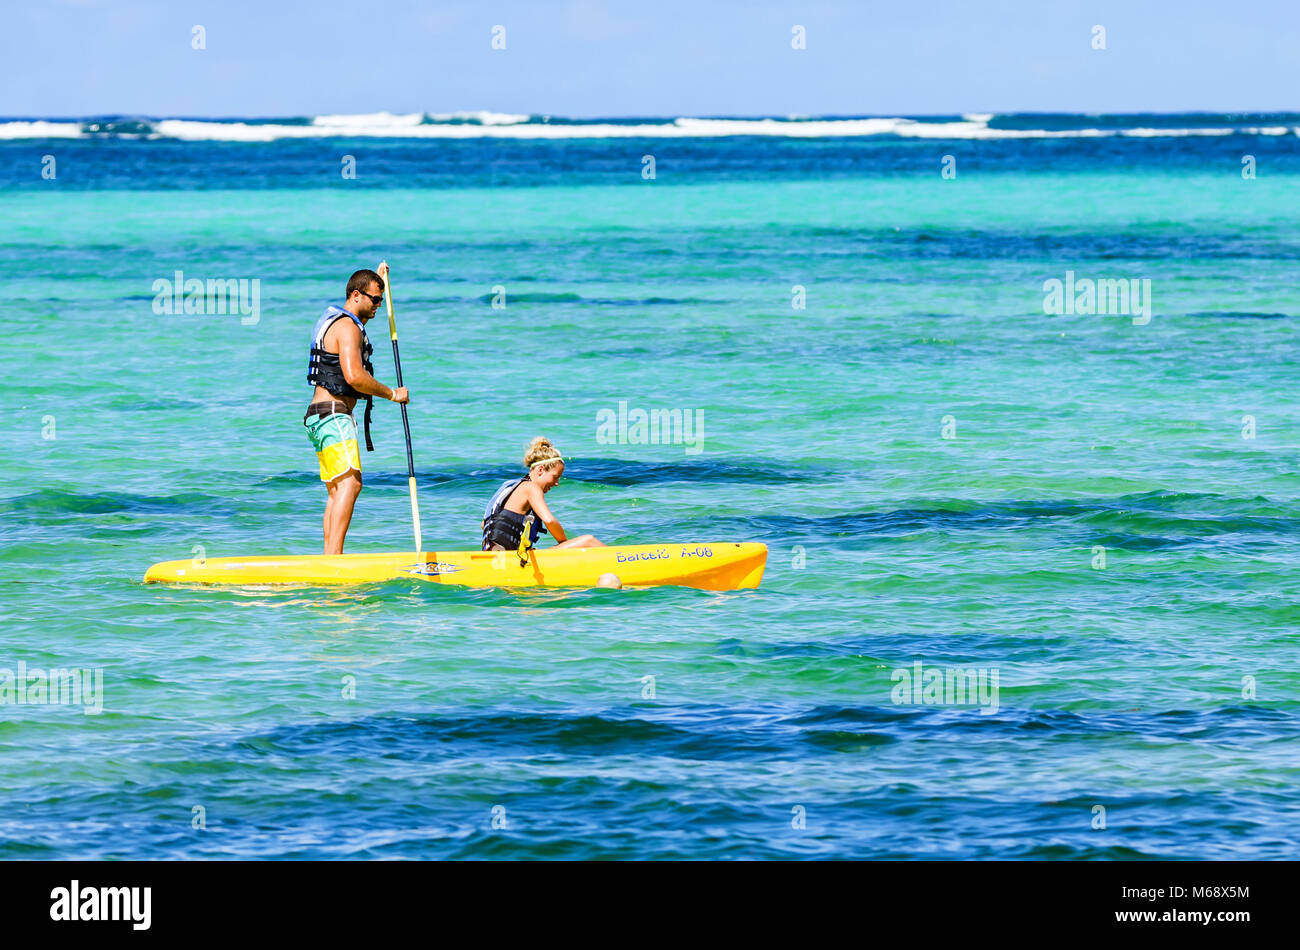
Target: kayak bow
(707,566)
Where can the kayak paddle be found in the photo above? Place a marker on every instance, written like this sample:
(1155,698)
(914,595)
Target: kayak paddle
(406,426)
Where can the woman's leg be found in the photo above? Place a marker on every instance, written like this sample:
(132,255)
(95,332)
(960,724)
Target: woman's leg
(585,541)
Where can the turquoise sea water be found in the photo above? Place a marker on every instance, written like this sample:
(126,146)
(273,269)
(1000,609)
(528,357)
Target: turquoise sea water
(1162,686)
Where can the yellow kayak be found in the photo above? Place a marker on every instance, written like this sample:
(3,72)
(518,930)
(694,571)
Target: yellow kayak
(715,566)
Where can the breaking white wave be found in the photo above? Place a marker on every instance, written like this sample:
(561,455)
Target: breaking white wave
(379,121)
(1262,130)
(485,118)
(484,124)
(40,130)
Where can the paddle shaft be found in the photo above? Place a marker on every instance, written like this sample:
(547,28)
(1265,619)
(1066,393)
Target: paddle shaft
(406,425)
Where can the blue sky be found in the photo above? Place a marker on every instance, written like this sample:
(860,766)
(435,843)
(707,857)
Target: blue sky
(656,57)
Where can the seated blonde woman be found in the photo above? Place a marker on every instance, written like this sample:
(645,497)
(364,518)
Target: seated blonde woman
(519,505)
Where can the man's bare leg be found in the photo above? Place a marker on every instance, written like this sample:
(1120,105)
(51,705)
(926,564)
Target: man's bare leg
(329,505)
(338,510)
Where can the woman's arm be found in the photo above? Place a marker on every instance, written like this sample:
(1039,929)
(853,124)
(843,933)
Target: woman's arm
(537,501)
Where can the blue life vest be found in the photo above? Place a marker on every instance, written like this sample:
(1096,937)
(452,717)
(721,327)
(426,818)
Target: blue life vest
(504,527)
(324,370)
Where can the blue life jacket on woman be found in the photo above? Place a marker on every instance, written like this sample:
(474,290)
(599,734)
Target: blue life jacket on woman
(324,369)
(504,527)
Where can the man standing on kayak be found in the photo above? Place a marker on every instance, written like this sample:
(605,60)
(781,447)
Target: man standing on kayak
(341,370)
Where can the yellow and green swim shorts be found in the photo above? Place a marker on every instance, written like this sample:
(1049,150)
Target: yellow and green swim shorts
(334,437)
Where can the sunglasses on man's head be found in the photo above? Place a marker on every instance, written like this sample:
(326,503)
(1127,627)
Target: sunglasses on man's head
(375,299)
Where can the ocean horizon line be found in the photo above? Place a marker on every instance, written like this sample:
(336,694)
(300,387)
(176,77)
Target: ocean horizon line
(487,124)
